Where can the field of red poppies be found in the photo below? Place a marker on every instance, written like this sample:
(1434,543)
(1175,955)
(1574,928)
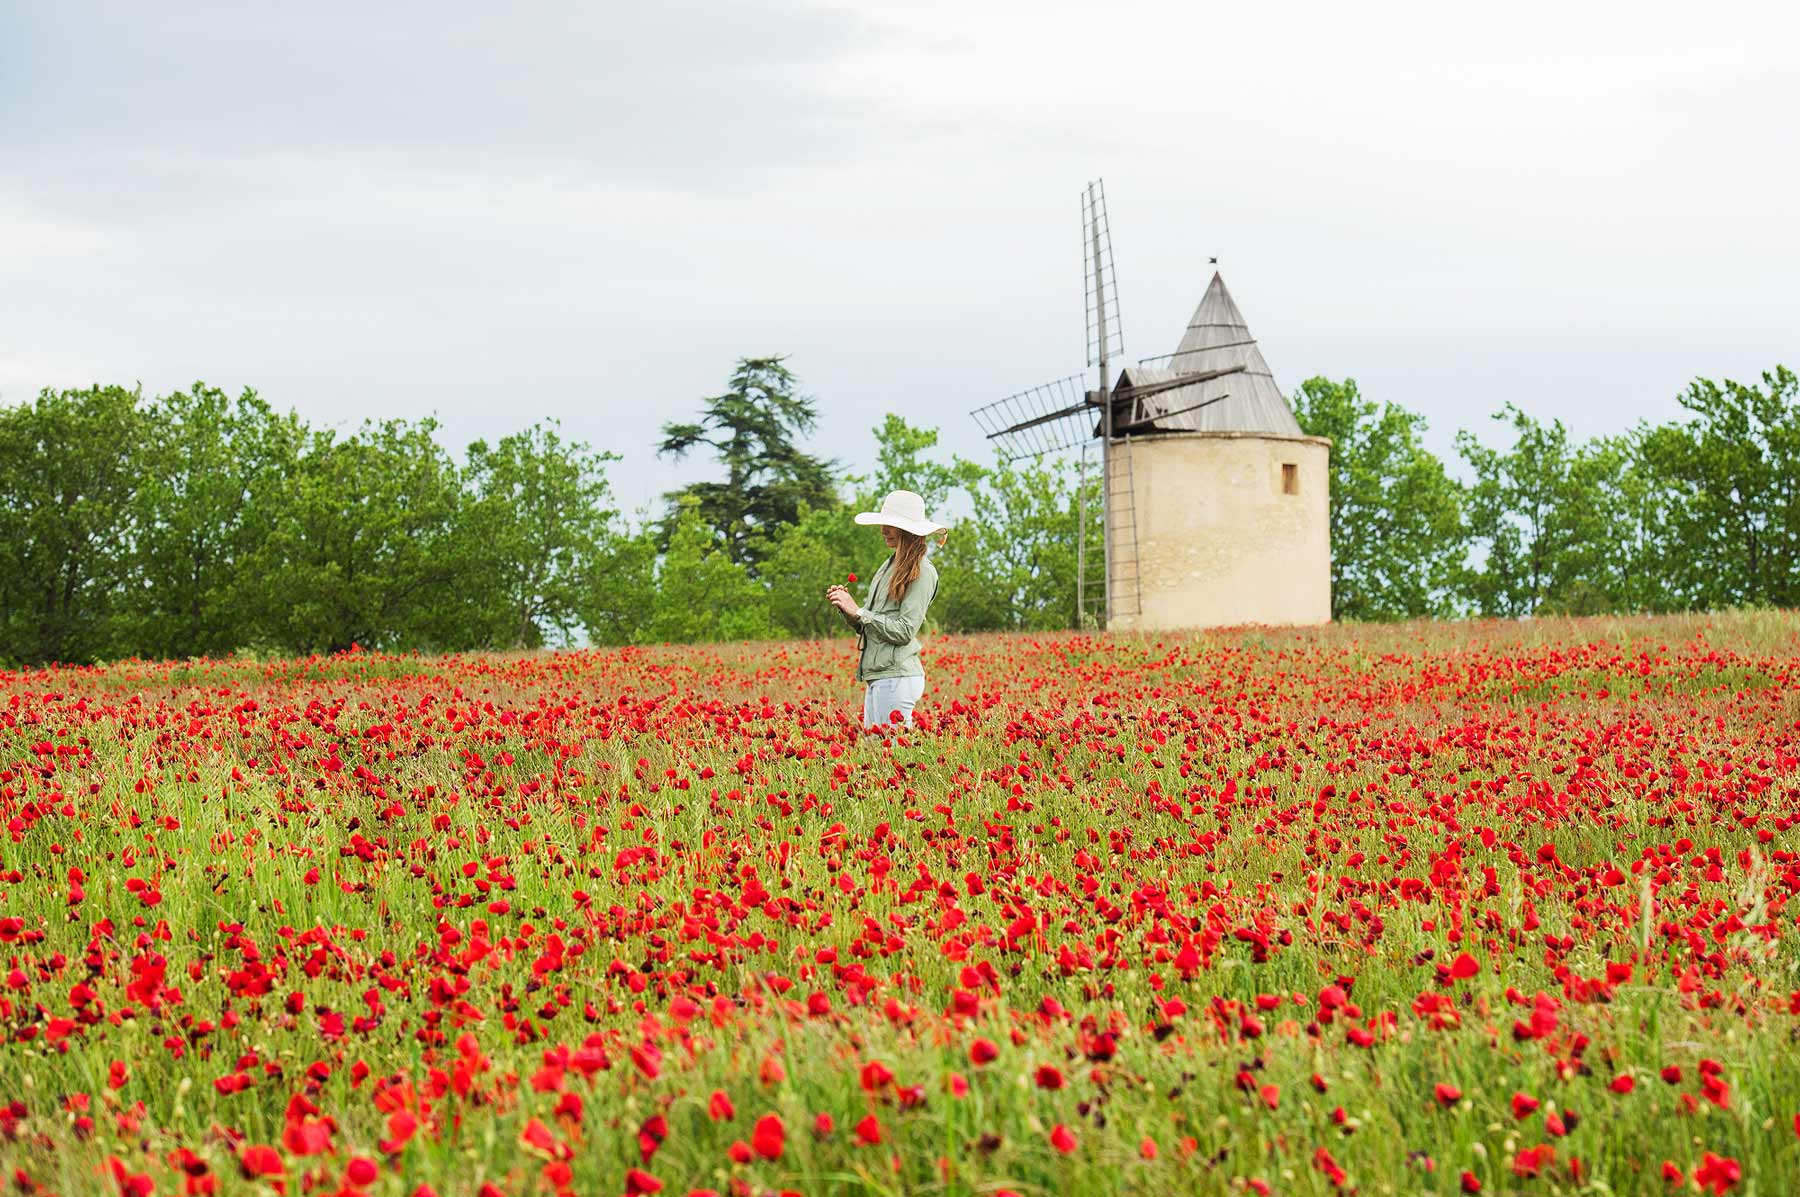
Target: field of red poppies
(1431,909)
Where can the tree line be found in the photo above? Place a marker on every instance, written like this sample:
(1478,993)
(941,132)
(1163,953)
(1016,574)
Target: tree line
(1700,513)
(204,524)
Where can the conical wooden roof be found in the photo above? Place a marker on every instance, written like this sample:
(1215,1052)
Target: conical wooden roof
(1216,339)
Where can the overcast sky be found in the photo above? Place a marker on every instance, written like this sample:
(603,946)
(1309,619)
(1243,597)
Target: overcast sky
(498,213)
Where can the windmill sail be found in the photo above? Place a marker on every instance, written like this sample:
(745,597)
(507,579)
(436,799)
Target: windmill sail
(1062,416)
(1105,334)
(1052,418)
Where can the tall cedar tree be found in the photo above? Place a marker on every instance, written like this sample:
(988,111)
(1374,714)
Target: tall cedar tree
(751,429)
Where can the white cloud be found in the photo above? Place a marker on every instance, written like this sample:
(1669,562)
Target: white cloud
(43,237)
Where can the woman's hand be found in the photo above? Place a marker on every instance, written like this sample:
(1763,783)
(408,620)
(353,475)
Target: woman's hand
(840,598)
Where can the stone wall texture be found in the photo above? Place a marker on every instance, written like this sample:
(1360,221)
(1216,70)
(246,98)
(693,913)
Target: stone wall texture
(1219,541)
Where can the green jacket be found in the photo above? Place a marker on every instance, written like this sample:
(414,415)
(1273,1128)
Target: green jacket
(888,633)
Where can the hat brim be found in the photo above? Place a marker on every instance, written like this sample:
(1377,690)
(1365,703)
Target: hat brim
(916,527)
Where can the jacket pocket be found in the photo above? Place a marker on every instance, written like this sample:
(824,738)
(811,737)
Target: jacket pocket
(879,655)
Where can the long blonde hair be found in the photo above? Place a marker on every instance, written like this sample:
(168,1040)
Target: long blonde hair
(908,555)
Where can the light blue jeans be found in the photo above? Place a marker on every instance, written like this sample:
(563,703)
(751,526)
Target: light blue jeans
(890,694)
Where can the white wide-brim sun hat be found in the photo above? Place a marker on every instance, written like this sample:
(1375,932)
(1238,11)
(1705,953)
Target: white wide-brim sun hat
(904,510)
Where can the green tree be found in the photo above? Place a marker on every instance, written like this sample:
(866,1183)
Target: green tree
(1616,521)
(901,464)
(824,546)
(534,529)
(1545,515)
(207,457)
(1396,515)
(1731,479)
(1642,510)
(364,548)
(618,595)
(752,429)
(701,593)
(1011,563)
(68,464)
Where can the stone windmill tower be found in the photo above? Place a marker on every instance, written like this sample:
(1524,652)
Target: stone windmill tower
(1216,506)
(1229,500)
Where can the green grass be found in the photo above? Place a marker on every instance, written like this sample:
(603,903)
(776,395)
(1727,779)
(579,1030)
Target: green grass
(1427,734)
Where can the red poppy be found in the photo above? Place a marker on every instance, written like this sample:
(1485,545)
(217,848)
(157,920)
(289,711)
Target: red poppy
(1716,1174)
(258,1160)
(769,1137)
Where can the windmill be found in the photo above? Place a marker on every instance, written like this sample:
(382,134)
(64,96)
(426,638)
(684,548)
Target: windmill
(1064,416)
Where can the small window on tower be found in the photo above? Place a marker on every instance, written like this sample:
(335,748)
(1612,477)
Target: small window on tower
(1290,478)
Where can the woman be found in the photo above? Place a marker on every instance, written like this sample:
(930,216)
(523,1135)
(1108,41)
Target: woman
(887,627)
